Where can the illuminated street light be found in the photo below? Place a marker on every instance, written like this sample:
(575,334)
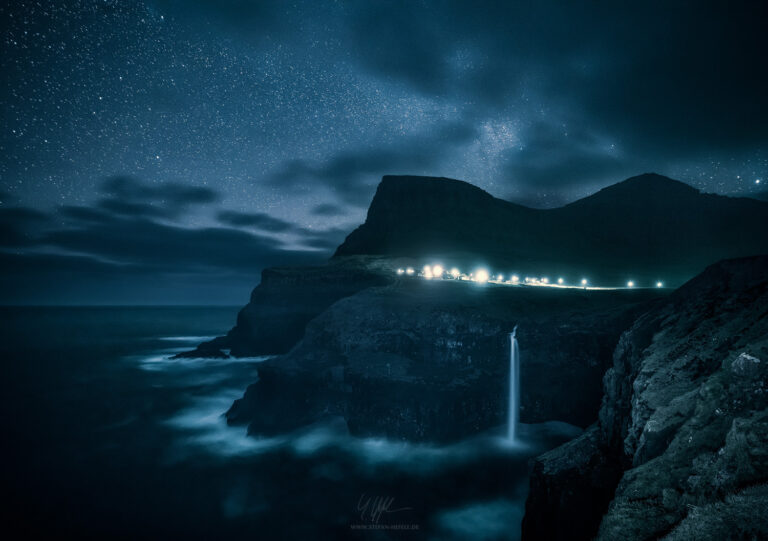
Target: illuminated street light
(426,272)
(437,271)
(481,276)
(584,282)
(500,278)
(659,284)
(409,271)
(515,278)
(545,280)
(455,272)
(630,284)
(400,271)
(560,281)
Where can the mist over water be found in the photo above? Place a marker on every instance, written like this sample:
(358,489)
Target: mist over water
(108,422)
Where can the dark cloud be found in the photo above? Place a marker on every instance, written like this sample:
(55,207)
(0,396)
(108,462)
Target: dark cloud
(6,197)
(256,220)
(19,226)
(328,209)
(78,213)
(171,194)
(316,239)
(350,174)
(685,75)
(132,198)
(327,240)
(147,243)
(353,175)
(129,252)
(140,210)
(557,164)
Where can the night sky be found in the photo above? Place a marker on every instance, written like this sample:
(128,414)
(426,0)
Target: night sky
(166,152)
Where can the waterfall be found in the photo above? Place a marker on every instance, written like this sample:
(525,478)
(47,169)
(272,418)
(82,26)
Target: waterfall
(514,386)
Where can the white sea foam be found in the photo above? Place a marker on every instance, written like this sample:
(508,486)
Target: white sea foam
(210,386)
(481,520)
(204,426)
(187,338)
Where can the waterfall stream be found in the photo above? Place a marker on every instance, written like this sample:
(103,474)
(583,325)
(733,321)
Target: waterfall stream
(514,386)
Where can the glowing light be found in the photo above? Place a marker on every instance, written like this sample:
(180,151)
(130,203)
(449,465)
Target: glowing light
(455,272)
(545,280)
(426,272)
(500,277)
(659,284)
(481,275)
(630,284)
(560,281)
(515,278)
(437,271)
(409,270)
(584,282)
(400,271)
(757,181)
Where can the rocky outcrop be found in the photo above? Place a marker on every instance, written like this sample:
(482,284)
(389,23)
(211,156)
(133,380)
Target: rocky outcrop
(422,360)
(287,299)
(570,488)
(681,446)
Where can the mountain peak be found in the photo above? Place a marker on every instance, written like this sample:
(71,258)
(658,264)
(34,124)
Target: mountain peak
(416,185)
(410,213)
(648,227)
(652,182)
(645,188)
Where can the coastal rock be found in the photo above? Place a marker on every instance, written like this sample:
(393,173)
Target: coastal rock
(684,417)
(429,361)
(577,480)
(287,299)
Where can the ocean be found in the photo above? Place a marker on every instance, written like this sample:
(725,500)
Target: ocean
(105,435)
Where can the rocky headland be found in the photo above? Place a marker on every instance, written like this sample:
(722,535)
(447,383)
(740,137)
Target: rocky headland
(429,360)
(671,388)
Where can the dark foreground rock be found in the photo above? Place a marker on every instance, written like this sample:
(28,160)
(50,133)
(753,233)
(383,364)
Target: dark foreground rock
(422,360)
(681,446)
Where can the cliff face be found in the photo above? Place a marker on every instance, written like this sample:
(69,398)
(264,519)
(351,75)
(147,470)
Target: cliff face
(422,360)
(425,216)
(647,228)
(681,446)
(286,300)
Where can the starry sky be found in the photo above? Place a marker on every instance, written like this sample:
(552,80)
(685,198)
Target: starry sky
(167,151)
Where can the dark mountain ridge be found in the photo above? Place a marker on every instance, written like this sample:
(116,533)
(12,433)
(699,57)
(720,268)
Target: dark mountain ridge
(646,228)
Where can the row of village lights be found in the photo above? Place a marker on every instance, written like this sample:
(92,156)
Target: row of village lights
(482,276)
